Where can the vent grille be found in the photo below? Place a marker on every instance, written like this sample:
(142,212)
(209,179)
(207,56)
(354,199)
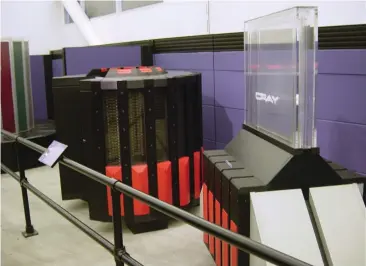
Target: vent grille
(228,42)
(342,37)
(333,37)
(136,111)
(184,44)
(161,126)
(111,128)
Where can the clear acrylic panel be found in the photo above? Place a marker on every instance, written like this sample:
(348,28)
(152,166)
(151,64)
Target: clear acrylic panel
(280,72)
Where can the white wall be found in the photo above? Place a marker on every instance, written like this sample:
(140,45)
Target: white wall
(183,18)
(167,19)
(229,16)
(39,22)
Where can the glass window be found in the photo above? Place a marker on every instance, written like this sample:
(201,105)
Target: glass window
(131,4)
(99,8)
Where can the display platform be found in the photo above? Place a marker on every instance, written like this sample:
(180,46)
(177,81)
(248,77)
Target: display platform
(43,134)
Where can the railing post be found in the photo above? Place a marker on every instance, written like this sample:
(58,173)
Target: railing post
(29,229)
(119,249)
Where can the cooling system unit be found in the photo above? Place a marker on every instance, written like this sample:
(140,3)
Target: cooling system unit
(139,125)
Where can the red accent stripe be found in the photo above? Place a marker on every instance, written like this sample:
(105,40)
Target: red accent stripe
(225,245)
(205,210)
(217,241)
(124,71)
(211,238)
(233,250)
(7,103)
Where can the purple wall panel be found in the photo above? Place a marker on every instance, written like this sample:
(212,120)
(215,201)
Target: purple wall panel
(343,143)
(229,61)
(208,118)
(38,87)
(229,89)
(340,94)
(208,145)
(208,87)
(57,67)
(341,98)
(330,61)
(185,61)
(228,123)
(220,146)
(342,61)
(80,60)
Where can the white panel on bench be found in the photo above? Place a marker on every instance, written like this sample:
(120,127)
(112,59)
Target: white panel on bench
(340,215)
(280,219)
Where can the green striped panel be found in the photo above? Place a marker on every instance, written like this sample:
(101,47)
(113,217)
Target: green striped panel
(28,86)
(19,86)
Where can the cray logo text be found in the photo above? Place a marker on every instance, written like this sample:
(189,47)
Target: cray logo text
(266,97)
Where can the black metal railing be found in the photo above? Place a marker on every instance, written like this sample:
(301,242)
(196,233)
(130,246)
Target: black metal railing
(118,249)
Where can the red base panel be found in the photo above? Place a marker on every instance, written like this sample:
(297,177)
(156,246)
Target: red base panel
(184,185)
(217,241)
(140,181)
(197,177)
(205,210)
(233,250)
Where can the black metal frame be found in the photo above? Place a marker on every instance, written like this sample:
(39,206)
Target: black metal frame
(118,249)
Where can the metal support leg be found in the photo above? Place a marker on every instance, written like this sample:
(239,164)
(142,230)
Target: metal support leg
(29,230)
(119,249)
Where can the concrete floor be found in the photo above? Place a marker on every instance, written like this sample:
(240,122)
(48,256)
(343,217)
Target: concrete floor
(60,243)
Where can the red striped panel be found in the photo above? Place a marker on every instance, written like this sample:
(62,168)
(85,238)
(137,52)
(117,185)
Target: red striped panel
(225,245)
(211,239)
(217,241)
(205,210)
(7,103)
(233,250)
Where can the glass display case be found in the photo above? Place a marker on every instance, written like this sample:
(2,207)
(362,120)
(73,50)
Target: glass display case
(280,72)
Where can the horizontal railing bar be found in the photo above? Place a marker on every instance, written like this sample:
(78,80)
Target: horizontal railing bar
(10,172)
(241,242)
(126,258)
(129,260)
(71,218)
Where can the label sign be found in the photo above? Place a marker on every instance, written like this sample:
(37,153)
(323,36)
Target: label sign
(51,156)
(260,96)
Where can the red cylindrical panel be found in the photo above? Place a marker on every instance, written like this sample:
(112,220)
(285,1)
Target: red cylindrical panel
(116,173)
(7,105)
(184,186)
(165,192)
(140,181)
